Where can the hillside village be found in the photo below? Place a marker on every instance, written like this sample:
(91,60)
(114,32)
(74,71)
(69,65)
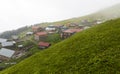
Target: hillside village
(95,50)
(20,47)
(56,40)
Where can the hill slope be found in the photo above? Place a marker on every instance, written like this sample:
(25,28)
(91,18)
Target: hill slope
(105,14)
(96,50)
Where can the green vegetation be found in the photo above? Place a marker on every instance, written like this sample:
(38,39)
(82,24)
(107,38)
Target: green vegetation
(54,38)
(93,51)
(8,34)
(29,52)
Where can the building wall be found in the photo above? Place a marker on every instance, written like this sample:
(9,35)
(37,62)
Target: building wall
(66,35)
(40,38)
(36,37)
(37,30)
(3,58)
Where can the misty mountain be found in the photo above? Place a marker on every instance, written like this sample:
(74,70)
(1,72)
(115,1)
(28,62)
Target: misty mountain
(107,13)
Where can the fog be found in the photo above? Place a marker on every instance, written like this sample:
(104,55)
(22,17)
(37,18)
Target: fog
(18,13)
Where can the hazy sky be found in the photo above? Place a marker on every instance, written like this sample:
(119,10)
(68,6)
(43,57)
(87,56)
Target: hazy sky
(18,13)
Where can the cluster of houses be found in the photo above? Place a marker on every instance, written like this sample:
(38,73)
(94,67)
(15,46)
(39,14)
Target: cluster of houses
(65,31)
(8,48)
(6,53)
(40,35)
(94,22)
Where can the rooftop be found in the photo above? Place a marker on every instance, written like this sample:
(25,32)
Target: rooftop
(72,30)
(29,33)
(2,40)
(6,52)
(4,44)
(41,33)
(46,44)
(35,27)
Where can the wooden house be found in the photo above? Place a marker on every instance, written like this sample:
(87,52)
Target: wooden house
(40,36)
(44,45)
(69,32)
(37,29)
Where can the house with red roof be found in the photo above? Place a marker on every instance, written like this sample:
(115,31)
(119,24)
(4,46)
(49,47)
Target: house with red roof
(69,32)
(44,45)
(36,29)
(40,36)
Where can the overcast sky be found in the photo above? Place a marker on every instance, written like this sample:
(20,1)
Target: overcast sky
(18,13)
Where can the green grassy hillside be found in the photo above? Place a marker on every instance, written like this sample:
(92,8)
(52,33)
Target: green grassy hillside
(93,51)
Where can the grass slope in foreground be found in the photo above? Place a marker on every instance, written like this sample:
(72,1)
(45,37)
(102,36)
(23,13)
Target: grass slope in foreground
(96,50)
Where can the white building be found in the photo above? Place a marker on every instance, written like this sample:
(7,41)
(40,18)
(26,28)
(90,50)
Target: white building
(20,46)
(13,42)
(99,22)
(29,33)
(50,28)
(86,27)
